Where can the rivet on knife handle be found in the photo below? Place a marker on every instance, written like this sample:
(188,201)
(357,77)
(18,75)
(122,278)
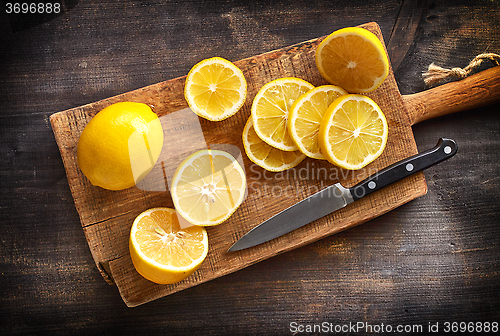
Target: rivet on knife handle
(445,149)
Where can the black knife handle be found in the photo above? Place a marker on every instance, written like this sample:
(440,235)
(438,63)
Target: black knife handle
(444,149)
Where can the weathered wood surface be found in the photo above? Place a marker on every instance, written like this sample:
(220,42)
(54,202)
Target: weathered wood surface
(434,259)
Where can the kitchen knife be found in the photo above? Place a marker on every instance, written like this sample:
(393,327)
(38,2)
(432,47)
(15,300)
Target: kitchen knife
(336,196)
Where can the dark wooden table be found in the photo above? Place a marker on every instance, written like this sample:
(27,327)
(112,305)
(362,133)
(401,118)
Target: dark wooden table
(432,261)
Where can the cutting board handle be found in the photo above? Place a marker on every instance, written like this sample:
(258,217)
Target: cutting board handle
(477,90)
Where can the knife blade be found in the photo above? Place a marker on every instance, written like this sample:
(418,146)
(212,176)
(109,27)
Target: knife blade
(336,196)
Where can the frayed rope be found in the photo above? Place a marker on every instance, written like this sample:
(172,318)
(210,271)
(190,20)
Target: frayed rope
(436,74)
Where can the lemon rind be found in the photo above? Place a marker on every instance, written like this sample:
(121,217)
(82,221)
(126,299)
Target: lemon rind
(259,95)
(188,161)
(261,163)
(293,115)
(228,64)
(367,36)
(175,274)
(326,123)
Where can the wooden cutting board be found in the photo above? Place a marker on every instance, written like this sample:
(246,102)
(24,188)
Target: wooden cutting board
(107,216)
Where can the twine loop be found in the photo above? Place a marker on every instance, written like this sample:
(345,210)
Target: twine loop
(436,74)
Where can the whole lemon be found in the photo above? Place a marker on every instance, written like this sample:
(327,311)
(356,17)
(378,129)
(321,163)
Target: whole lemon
(120,145)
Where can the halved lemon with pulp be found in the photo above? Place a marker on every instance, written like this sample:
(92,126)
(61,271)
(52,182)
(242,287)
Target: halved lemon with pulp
(208,187)
(353,132)
(215,89)
(266,156)
(161,250)
(354,59)
(306,115)
(271,107)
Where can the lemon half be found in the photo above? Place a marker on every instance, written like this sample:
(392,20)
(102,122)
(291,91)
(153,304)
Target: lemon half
(208,187)
(161,250)
(215,89)
(354,59)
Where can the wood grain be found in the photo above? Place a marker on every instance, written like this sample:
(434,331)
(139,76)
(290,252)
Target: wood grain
(107,216)
(404,31)
(478,90)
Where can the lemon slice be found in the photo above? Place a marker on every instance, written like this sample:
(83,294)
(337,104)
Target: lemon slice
(353,132)
(208,187)
(266,156)
(161,251)
(270,110)
(354,59)
(215,89)
(306,115)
